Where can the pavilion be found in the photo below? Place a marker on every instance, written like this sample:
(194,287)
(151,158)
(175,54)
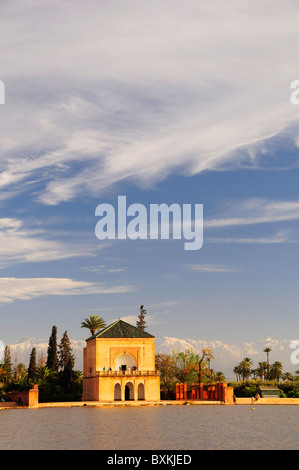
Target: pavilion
(119,365)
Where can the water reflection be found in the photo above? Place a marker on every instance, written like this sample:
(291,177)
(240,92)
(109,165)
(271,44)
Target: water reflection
(153,428)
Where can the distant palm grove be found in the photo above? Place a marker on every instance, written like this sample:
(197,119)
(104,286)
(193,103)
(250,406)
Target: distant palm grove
(249,378)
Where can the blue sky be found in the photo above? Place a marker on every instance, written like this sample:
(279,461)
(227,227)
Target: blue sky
(185,102)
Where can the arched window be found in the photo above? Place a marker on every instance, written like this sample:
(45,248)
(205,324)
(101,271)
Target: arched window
(141,394)
(117,392)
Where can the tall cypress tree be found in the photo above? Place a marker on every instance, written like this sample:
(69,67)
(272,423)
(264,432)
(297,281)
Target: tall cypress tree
(7,365)
(32,369)
(66,357)
(52,358)
(141,324)
(66,362)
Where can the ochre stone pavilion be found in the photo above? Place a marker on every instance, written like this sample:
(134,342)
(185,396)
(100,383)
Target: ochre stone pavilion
(119,365)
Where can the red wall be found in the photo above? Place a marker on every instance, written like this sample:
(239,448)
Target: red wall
(29,398)
(217,392)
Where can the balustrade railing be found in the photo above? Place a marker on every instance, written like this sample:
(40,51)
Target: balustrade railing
(127,372)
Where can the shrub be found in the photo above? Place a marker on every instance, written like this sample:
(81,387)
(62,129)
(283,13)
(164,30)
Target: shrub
(245,389)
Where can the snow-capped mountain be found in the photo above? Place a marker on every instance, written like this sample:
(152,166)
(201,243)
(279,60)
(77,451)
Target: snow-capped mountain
(20,350)
(227,356)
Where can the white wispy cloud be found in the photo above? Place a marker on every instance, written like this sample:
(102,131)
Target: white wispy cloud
(102,269)
(148,89)
(283,236)
(255,211)
(210,268)
(12,289)
(20,244)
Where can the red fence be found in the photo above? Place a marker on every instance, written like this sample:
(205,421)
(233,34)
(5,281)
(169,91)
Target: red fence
(213,392)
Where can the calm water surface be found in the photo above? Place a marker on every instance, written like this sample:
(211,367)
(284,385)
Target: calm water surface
(153,428)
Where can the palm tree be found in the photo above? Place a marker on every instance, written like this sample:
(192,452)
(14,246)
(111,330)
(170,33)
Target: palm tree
(219,377)
(276,371)
(93,323)
(44,373)
(237,371)
(287,376)
(263,368)
(245,366)
(20,370)
(267,351)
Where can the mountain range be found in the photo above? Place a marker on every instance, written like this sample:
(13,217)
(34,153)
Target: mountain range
(226,356)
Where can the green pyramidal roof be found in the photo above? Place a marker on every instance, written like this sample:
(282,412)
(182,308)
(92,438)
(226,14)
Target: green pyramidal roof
(121,329)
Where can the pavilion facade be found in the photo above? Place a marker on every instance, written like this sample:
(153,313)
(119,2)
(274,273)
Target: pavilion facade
(119,365)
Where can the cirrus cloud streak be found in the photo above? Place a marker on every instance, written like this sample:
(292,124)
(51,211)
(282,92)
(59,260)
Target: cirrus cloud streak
(148,90)
(12,289)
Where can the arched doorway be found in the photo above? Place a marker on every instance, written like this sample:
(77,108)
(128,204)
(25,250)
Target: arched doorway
(117,392)
(141,394)
(124,362)
(129,391)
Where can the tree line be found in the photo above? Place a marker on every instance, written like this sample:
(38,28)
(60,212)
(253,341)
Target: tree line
(57,379)
(55,374)
(186,367)
(265,371)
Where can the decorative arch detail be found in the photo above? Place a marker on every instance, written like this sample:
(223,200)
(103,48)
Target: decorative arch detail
(124,361)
